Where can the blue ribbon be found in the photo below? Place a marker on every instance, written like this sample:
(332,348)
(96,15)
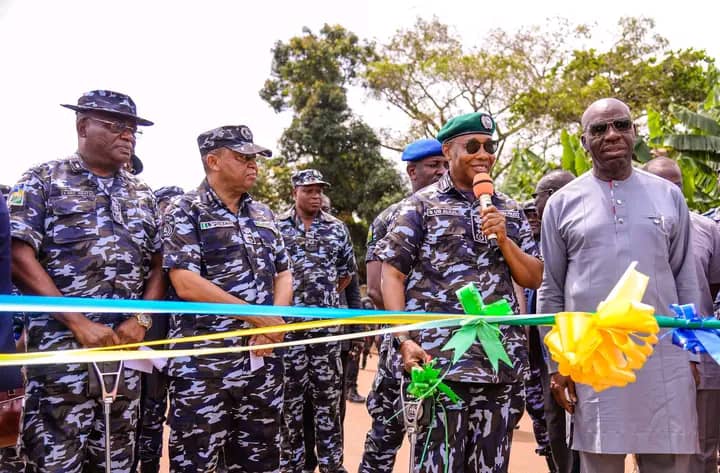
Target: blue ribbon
(695,341)
(47,304)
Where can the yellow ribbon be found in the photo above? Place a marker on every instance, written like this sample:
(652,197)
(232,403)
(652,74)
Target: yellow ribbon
(603,350)
(122,352)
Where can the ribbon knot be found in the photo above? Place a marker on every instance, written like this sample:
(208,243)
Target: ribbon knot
(705,340)
(426,382)
(475,328)
(603,350)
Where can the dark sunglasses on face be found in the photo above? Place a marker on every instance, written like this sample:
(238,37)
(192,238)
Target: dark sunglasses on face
(473,145)
(549,192)
(600,128)
(118,126)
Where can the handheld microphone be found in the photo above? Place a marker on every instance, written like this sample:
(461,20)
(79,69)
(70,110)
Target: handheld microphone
(483,189)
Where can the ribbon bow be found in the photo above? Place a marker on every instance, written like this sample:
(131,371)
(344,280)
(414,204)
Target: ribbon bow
(706,340)
(426,382)
(604,350)
(478,329)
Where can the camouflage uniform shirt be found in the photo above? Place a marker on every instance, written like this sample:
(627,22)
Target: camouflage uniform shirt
(378,229)
(437,242)
(321,256)
(94,236)
(240,253)
(389,363)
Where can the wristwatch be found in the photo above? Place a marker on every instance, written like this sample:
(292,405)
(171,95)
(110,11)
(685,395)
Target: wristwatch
(402,339)
(143,320)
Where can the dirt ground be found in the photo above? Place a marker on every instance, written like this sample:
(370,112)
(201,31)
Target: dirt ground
(357,422)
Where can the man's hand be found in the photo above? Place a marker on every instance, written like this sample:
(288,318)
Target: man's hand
(90,334)
(493,221)
(263,340)
(413,355)
(695,373)
(558,386)
(267,338)
(130,331)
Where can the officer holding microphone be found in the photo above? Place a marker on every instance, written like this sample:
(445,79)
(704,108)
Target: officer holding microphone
(442,240)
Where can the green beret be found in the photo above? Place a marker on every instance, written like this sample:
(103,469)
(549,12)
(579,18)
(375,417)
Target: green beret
(476,122)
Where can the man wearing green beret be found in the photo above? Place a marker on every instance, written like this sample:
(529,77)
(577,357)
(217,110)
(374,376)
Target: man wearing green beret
(442,239)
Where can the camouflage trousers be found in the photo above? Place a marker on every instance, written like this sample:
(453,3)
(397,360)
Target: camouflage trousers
(11,461)
(312,372)
(64,429)
(153,405)
(231,422)
(387,430)
(535,405)
(478,430)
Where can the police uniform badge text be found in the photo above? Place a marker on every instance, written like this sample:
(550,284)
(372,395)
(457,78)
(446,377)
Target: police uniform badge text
(478,234)
(216,224)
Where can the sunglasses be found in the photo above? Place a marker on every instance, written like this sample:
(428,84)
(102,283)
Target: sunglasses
(118,126)
(599,129)
(549,192)
(473,145)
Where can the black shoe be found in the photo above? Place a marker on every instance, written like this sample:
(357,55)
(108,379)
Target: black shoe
(354,396)
(547,453)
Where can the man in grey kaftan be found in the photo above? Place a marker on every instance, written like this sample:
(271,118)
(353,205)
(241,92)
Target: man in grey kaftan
(591,231)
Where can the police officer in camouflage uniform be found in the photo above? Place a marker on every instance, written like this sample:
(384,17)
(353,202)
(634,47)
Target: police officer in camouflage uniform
(425,165)
(537,375)
(439,243)
(323,264)
(153,399)
(84,226)
(220,245)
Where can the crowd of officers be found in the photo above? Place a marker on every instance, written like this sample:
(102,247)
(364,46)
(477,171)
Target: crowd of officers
(87,226)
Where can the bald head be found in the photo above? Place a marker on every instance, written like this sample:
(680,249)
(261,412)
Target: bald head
(548,185)
(601,107)
(555,179)
(666,168)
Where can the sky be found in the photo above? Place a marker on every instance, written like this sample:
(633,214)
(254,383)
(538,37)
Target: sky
(194,65)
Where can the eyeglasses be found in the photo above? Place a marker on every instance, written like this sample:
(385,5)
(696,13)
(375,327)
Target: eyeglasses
(549,192)
(600,128)
(118,126)
(472,146)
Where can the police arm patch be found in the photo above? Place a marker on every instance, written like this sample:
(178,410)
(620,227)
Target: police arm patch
(17,196)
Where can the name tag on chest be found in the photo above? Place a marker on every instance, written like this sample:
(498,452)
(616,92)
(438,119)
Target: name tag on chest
(216,224)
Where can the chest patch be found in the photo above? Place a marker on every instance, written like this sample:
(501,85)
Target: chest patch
(445,211)
(216,224)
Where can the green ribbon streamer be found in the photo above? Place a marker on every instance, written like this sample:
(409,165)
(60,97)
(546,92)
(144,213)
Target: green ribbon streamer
(426,382)
(478,329)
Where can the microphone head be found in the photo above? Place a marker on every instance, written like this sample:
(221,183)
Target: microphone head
(483,184)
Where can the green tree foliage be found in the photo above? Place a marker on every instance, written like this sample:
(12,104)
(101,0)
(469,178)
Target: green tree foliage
(525,170)
(535,81)
(273,185)
(693,139)
(638,68)
(310,76)
(431,76)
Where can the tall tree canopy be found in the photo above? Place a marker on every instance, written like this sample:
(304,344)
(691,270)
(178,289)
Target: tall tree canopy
(535,81)
(310,76)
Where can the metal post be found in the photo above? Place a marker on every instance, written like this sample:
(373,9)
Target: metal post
(108,397)
(412,411)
